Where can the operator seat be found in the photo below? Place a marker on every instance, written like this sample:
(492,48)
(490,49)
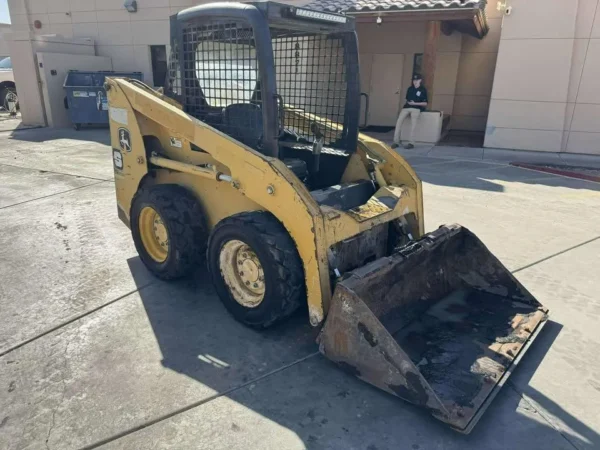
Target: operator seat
(243,121)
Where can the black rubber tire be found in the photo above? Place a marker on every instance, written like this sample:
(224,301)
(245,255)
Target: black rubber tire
(4,92)
(185,224)
(285,288)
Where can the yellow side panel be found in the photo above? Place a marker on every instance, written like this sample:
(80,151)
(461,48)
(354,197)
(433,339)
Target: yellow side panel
(218,200)
(259,182)
(355,170)
(129,158)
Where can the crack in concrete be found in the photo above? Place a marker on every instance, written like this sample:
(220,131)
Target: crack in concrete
(195,404)
(72,319)
(64,390)
(562,252)
(52,195)
(35,169)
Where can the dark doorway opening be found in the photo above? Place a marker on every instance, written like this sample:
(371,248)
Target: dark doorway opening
(158,54)
(463,138)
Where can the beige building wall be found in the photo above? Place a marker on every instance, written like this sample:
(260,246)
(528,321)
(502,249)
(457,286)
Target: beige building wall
(24,47)
(4,50)
(546,94)
(476,75)
(126,38)
(446,72)
(123,36)
(406,39)
(53,69)
(581,132)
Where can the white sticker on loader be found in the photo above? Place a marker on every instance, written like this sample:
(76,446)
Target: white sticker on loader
(124,139)
(176,142)
(80,94)
(117,159)
(119,115)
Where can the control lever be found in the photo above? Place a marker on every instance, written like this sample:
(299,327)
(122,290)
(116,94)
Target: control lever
(317,145)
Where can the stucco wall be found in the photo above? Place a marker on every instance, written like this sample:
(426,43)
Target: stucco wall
(406,39)
(24,47)
(4,50)
(546,93)
(581,132)
(126,37)
(446,72)
(123,36)
(476,75)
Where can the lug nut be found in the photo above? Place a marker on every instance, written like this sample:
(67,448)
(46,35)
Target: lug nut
(241,274)
(247,283)
(255,285)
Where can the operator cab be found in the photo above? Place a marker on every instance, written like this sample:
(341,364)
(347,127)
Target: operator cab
(280,79)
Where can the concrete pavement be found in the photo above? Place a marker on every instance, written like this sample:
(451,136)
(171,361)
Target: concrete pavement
(95,352)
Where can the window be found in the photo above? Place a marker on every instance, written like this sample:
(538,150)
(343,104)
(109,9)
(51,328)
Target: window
(158,54)
(418,64)
(227,72)
(5,63)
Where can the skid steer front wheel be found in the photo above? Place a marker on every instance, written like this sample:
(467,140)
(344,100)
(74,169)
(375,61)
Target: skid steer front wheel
(168,230)
(256,269)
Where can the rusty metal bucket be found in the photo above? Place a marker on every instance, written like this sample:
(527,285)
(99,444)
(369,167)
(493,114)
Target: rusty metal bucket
(441,324)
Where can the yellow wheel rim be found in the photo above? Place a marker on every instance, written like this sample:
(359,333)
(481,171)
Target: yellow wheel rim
(243,273)
(154,234)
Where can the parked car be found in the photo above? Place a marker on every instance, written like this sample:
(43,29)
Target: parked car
(8,90)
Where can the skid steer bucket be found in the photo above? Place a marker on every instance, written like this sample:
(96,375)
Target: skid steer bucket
(440,323)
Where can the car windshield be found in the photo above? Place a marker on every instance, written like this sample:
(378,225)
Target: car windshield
(5,63)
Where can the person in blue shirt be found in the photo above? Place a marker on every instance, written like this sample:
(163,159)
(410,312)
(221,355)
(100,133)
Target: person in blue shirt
(416,101)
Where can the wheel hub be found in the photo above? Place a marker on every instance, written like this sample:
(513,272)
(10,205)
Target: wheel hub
(154,234)
(243,273)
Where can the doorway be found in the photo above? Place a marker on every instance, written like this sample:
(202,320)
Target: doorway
(158,56)
(385,89)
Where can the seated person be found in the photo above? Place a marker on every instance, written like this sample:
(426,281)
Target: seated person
(416,101)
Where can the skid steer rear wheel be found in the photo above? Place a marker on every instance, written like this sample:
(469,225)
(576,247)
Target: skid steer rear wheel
(168,230)
(256,269)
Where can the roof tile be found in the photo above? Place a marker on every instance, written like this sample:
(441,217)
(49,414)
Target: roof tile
(378,5)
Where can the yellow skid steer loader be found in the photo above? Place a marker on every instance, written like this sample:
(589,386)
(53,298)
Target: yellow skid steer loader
(251,157)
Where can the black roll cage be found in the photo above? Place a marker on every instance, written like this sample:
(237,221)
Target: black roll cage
(261,17)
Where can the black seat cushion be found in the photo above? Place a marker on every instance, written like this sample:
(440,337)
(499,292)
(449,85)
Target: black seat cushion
(243,121)
(298,167)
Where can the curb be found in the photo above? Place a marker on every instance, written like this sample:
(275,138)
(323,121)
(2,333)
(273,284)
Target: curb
(557,171)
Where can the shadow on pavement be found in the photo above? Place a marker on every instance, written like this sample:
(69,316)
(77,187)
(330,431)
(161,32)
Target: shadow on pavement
(97,134)
(198,338)
(487,176)
(574,430)
(323,406)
